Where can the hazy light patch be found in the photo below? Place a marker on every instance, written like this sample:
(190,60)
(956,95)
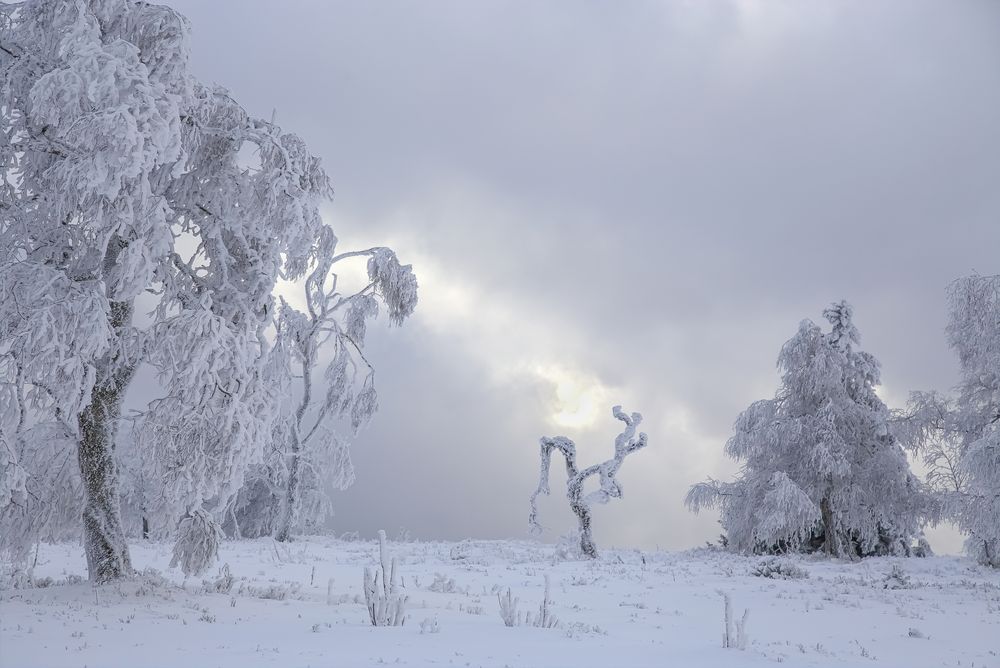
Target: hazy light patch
(579,400)
(512,343)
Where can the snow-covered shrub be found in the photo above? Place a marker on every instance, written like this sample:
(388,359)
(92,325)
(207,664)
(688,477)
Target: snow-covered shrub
(568,547)
(734,638)
(430,625)
(385,602)
(625,444)
(923,548)
(779,570)
(273,592)
(820,467)
(222,584)
(443,584)
(897,578)
(198,539)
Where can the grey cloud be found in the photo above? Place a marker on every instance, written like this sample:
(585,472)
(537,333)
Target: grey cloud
(673,186)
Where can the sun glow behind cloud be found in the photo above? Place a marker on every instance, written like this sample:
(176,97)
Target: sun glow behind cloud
(578,401)
(513,344)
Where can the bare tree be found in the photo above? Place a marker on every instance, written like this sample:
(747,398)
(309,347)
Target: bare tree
(625,444)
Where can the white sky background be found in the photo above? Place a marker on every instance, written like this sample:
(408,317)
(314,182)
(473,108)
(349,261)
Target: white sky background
(626,203)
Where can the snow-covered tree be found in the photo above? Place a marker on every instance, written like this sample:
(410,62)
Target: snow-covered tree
(974,333)
(625,444)
(820,466)
(312,449)
(960,437)
(128,183)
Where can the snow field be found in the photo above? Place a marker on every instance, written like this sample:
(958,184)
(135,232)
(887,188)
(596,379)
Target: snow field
(301,604)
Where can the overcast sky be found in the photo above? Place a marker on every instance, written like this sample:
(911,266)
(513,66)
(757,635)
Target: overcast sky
(628,203)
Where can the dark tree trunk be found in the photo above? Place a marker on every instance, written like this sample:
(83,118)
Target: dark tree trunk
(284,532)
(831,541)
(587,545)
(103,535)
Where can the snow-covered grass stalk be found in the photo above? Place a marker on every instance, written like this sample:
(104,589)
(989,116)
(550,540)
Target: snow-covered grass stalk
(625,444)
(543,620)
(508,609)
(734,639)
(386,604)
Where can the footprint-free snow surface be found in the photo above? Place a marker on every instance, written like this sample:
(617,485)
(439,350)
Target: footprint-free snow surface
(302,604)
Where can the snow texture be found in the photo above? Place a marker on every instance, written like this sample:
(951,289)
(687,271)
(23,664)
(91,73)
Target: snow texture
(302,604)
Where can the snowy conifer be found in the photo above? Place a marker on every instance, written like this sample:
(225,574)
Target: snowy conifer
(820,467)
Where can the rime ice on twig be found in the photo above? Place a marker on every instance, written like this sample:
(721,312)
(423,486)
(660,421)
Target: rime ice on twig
(625,444)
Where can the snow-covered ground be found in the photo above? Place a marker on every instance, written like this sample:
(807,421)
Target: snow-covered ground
(301,604)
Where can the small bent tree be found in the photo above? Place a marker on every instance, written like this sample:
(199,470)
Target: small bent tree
(625,444)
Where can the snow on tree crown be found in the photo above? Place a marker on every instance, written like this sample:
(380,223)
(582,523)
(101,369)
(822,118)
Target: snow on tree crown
(841,316)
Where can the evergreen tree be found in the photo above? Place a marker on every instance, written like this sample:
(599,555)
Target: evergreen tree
(821,468)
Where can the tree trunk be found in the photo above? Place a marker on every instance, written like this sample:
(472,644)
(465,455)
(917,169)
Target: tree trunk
(831,542)
(103,535)
(587,545)
(284,532)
